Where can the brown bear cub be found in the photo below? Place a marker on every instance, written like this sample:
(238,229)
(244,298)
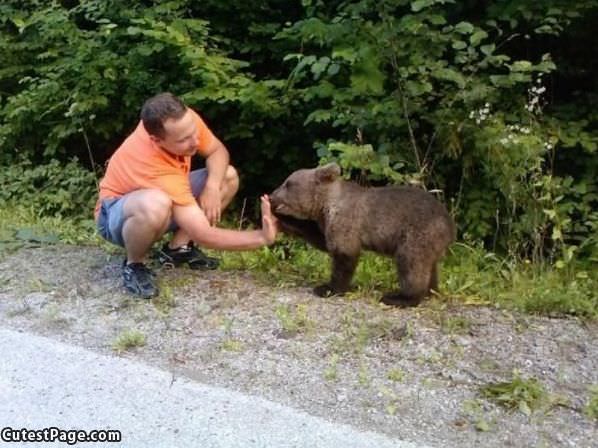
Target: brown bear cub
(342,218)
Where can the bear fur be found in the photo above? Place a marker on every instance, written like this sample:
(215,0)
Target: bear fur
(343,218)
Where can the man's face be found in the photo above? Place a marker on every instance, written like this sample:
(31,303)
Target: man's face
(180,136)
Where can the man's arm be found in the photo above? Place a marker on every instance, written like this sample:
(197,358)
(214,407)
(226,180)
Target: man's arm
(194,222)
(210,200)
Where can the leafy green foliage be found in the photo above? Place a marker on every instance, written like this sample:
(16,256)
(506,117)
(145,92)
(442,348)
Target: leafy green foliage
(491,104)
(416,92)
(84,71)
(51,189)
(525,395)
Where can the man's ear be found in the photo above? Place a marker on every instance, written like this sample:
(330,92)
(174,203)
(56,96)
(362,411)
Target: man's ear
(328,173)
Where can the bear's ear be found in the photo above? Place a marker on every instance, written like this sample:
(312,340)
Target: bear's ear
(328,173)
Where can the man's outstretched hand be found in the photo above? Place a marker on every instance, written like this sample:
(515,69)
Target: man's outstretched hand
(269,221)
(211,204)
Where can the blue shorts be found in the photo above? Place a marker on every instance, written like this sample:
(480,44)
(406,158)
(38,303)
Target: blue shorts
(111,218)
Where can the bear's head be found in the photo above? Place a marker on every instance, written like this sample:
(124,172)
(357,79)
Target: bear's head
(302,194)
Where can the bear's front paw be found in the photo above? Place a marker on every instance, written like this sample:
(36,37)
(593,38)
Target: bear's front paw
(398,299)
(324,290)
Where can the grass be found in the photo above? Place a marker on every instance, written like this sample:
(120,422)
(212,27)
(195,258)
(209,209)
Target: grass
(165,301)
(469,274)
(127,340)
(356,331)
(294,320)
(286,263)
(591,408)
(396,375)
(526,395)
(331,371)
(390,398)
(363,375)
(66,230)
(455,324)
(478,277)
(474,410)
(232,345)
(52,316)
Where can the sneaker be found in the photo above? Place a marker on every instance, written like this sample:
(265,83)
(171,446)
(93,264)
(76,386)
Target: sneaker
(139,280)
(189,254)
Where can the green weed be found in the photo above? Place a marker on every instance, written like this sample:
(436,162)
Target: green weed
(295,320)
(331,371)
(475,411)
(128,339)
(364,375)
(455,324)
(166,300)
(526,395)
(288,262)
(232,345)
(391,400)
(591,409)
(396,375)
(25,220)
(474,276)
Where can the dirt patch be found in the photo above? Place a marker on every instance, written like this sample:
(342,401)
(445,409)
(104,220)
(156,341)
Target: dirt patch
(414,374)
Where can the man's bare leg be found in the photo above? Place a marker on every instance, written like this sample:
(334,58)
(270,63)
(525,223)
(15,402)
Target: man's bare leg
(147,215)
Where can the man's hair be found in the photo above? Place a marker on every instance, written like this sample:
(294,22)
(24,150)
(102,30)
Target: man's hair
(158,109)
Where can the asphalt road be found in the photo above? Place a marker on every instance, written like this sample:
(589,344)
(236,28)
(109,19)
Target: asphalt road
(47,384)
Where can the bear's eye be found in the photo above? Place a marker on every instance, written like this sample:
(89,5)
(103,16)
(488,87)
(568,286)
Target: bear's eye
(289,184)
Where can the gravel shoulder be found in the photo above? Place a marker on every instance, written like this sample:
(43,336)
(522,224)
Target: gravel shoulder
(412,374)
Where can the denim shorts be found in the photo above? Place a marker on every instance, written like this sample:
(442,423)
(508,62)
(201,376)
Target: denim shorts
(111,217)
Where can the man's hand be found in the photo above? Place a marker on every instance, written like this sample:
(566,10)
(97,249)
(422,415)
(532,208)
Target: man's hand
(269,221)
(211,203)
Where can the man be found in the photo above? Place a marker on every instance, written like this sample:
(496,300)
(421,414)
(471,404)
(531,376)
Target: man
(148,190)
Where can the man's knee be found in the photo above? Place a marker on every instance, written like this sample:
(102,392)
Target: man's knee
(154,206)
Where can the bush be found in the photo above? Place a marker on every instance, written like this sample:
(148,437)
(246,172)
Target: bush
(52,189)
(493,103)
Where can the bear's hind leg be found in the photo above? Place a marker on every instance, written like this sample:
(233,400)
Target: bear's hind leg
(415,278)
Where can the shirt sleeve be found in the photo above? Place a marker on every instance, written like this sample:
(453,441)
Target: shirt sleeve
(205,135)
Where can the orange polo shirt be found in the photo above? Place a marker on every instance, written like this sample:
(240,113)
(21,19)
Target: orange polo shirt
(140,163)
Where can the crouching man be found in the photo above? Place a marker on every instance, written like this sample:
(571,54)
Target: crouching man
(148,190)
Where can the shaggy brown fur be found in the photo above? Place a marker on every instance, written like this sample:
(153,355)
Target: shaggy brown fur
(342,218)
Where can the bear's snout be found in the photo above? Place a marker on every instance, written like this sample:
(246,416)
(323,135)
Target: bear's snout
(277,203)
(275,200)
